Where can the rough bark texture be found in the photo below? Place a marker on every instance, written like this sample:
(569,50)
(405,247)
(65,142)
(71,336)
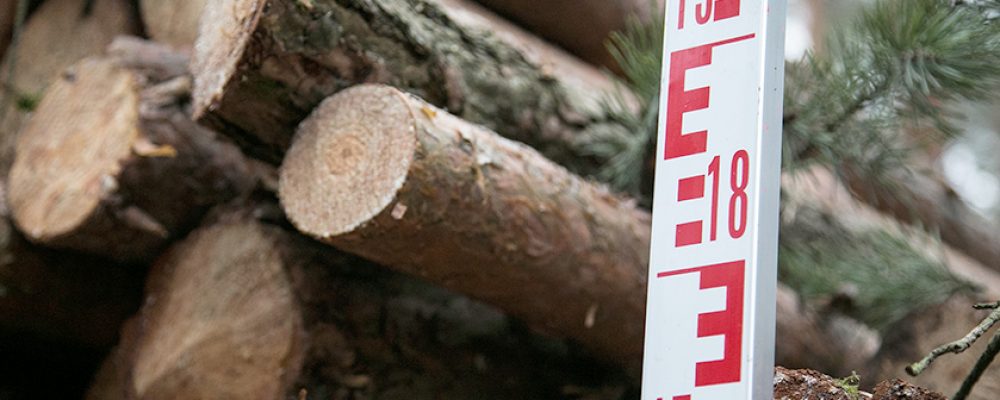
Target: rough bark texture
(111,164)
(382,174)
(172,22)
(581,26)
(58,34)
(257,76)
(243,310)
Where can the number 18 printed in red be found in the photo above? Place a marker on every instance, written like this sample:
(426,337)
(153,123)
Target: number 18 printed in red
(710,309)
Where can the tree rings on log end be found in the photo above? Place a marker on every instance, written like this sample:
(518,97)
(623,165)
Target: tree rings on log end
(348,161)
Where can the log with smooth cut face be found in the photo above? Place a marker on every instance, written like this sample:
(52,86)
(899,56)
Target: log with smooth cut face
(385,175)
(62,171)
(111,164)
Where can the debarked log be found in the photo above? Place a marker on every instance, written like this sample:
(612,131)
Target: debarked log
(382,174)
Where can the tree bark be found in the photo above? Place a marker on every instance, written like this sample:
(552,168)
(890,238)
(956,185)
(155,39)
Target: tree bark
(241,309)
(257,76)
(581,26)
(111,164)
(444,199)
(58,34)
(172,22)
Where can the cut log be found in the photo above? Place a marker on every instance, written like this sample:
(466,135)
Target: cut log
(172,22)
(257,76)
(241,309)
(581,26)
(62,32)
(58,34)
(111,164)
(382,174)
(449,201)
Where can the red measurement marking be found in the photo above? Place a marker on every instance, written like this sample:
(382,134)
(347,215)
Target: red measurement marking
(688,234)
(726,9)
(727,323)
(681,101)
(739,183)
(680,22)
(691,188)
(713,171)
(684,397)
(721,9)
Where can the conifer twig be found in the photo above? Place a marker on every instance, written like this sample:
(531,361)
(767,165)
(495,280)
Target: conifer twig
(962,344)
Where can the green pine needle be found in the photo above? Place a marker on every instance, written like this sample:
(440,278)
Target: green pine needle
(901,64)
(637,50)
(889,278)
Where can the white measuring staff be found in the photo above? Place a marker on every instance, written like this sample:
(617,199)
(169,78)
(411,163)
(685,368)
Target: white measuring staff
(710,315)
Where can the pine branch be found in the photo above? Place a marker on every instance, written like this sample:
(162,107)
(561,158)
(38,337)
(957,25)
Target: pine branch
(957,346)
(900,63)
(822,260)
(637,50)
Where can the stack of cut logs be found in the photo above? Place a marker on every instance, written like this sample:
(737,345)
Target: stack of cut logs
(334,199)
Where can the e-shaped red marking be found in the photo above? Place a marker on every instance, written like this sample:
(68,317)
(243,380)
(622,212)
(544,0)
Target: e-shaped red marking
(681,101)
(727,323)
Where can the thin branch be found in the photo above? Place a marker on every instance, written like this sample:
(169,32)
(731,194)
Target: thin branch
(977,371)
(957,346)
